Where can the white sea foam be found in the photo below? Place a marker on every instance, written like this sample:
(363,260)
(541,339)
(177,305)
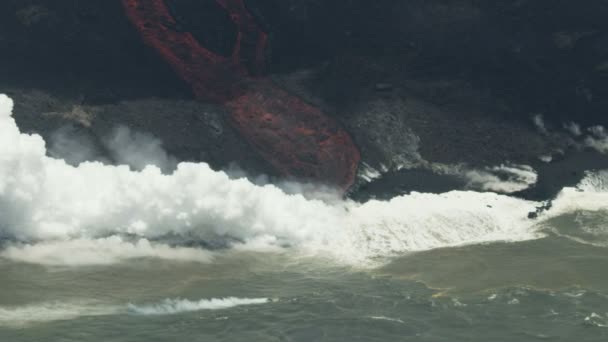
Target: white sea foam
(384,318)
(103,251)
(176,306)
(591,195)
(55,208)
(16,316)
(28,314)
(504,179)
(597,320)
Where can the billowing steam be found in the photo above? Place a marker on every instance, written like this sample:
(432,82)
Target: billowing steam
(122,146)
(138,149)
(598,139)
(52,212)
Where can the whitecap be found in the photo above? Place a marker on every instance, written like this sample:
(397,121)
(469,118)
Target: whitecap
(14,316)
(103,251)
(384,318)
(175,306)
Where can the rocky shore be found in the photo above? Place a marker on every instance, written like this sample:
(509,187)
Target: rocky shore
(436,94)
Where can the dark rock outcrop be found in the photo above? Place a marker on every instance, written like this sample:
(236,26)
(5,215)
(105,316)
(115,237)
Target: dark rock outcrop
(466,77)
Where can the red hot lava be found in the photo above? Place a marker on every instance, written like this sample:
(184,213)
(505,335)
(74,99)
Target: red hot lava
(294,137)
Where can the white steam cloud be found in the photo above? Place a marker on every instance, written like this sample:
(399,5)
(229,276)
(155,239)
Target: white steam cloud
(595,137)
(573,128)
(138,149)
(122,145)
(53,209)
(539,122)
(598,139)
(69,144)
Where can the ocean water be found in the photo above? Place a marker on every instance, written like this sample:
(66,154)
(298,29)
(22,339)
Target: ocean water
(549,289)
(104,253)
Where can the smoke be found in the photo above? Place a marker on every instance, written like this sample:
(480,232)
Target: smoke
(72,145)
(539,122)
(121,146)
(138,150)
(595,137)
(61,213)
(598,139)
(573,128)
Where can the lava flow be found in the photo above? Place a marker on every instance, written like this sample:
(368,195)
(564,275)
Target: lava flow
(296,138)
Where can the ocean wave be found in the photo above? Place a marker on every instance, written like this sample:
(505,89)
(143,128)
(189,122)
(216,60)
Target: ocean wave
(36,313)
(51,311)
(103,251)
(46,203)
(596,320)
(388,319)
(176,306)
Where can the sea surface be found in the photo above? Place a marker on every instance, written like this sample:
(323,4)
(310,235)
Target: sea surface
(554,288)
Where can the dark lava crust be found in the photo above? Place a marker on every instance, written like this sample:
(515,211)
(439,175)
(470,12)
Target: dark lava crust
(451,82)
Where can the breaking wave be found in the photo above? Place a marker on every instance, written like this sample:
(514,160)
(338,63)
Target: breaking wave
(23,315)
(100,211)
(176,306)
(103,251)
(51,311)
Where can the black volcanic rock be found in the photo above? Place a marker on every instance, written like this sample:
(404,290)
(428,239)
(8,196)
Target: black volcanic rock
(541,56)
(466,76)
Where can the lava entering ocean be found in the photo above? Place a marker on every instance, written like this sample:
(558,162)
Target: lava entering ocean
(297,139)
